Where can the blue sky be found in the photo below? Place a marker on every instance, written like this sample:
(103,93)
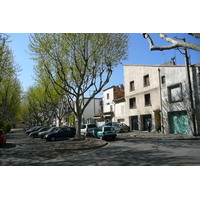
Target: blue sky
(139,53)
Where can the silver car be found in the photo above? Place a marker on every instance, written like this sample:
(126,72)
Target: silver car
(43,133)
(124,127)
(119,127)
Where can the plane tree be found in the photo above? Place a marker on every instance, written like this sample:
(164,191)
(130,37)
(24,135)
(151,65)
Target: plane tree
(10,86)
(77,63)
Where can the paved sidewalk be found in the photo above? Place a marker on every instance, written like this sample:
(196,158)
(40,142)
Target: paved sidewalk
(145,134)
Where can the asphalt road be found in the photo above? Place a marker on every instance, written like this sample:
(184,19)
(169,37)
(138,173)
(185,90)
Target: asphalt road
(126,150)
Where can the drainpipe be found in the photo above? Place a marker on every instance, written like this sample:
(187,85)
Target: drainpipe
(161,110)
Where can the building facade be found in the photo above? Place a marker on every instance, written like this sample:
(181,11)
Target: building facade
(93,108)
(113,104)
(142,97)
(159,94)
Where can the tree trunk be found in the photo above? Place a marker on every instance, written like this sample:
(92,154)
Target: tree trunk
(59,122)
(78,127)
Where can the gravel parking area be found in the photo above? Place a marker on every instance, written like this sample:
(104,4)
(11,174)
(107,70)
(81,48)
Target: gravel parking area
(22,150)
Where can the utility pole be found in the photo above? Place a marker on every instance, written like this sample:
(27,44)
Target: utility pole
(190,89)
(161,110)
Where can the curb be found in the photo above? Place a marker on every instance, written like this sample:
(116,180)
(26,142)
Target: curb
(87,146)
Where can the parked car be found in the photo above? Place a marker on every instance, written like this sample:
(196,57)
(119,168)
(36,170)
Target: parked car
(115,125)
(33,129)
(27,128)
(124,127)
(62,133)
(119,127)
(104,132)
(35,133)
(2,137)
(87,128)
(50,130)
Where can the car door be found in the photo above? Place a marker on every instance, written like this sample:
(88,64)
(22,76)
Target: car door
(99,132)
(61,133)
(124,127)
(69,132)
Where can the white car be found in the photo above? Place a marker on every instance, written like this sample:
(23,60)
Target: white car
(87,128)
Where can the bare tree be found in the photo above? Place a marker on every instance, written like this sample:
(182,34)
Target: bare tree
(175,42)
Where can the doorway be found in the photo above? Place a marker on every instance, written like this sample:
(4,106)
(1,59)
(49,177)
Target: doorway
(146,118)
(178,122)
(134,122)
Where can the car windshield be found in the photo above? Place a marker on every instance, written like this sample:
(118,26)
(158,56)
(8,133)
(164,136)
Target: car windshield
(91,126)
(98,129)
(108,129)
(122,124)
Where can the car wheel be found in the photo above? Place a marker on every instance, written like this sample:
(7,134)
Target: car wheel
(53,139)
(120,131)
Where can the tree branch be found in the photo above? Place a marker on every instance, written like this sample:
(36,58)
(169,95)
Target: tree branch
(196,35)
(175,43)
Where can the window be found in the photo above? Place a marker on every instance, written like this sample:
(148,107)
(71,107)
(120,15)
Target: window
(92,126)
(132,103)
(175,93)
(132,86)
(147,99)
(83,126)
(100,103)
(146,80)
(108,96)
(163,79)
(109,129)
(122,110)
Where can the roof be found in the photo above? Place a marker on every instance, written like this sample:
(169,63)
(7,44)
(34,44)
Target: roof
(167,64)
(137,65)
(197,64)
(109,88)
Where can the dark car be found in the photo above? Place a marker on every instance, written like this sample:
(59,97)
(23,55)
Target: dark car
(35,133)
(27,128)
(2,137)
(62,133)
(33,129)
